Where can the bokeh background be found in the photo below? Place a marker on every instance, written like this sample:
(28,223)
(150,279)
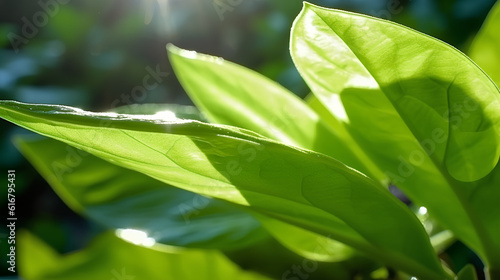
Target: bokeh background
(91,54)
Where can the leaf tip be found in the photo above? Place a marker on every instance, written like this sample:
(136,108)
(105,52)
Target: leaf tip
(306,4)
(309,5)
(173,49)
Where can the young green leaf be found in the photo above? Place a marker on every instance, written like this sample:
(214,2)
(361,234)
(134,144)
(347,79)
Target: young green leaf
(230,94)
(485,49)
(120,198)
(297,186)
(422,110)
(109,257)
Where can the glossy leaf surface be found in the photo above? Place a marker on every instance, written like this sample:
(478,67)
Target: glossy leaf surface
(297,186)
(425,113)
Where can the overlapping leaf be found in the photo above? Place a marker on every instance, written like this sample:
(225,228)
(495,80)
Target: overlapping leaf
(426,114)
(297,186)
(233,95)
(120,198)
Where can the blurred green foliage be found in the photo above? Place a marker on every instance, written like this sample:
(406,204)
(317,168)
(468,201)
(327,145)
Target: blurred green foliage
(125,261)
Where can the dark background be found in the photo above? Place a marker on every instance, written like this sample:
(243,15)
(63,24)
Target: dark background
(91,54)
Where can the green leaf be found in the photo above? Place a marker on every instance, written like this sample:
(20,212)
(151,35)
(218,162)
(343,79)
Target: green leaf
(425,113)
(467,273)
(485,49)
(109,257)
(412,75)
(297,186)
(120,198)
(305,243)
(233,95)
(230,94)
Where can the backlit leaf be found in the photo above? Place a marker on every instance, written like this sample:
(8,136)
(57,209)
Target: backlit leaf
(120,198)
(427,115)
(297,186)
(230,94)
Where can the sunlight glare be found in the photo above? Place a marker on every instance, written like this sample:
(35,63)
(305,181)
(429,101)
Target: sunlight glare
(136,237)
(166,115)
(422,210)
(337,108)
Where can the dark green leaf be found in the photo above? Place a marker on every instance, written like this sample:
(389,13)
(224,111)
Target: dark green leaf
(467,273)
(305,243)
